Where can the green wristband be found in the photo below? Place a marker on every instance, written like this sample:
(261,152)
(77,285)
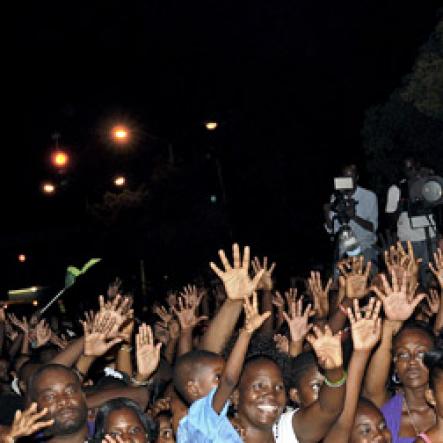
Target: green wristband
(337,384)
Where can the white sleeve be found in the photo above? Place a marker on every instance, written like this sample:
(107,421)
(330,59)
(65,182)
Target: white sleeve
(393,199)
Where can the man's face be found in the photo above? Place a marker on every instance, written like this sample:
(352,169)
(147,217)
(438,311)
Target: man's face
(60,392)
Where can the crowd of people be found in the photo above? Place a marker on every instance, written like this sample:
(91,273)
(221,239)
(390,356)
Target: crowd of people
(352,359)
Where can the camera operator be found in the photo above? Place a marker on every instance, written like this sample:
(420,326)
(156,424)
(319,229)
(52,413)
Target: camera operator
(410,226)
(358,209)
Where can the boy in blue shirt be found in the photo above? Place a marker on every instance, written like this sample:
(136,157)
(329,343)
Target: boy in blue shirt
(205,382)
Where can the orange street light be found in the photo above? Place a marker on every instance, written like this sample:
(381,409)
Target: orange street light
(59,159)
(119,181)
(21,258)
(120,134)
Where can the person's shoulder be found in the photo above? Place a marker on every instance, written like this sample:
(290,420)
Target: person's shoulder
(366,192)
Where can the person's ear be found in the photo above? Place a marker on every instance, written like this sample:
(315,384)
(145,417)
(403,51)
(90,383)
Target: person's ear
(193,389)
(293,395)
(235,398)
(429,395)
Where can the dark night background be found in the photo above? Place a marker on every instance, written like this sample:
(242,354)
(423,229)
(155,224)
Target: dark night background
(289,82)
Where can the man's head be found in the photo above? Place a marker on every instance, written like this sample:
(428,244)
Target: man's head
(58,388)
(352,172)
(196,373)
(410,167)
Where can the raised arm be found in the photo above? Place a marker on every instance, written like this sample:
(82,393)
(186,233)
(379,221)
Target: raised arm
(234,365)
(266,285)
(298,322)
(312,423)
(366,332)
(238,285)
(399,304)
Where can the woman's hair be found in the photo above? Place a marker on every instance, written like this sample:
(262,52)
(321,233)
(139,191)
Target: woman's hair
(117,404)
(434,362)
(415,326)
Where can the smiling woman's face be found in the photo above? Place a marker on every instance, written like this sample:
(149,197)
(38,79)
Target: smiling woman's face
(262,395)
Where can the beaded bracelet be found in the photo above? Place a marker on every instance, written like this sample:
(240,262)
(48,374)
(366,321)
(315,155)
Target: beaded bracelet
(337,384)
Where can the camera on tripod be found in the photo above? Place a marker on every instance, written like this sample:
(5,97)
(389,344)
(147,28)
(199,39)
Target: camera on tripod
(346,241)
(343,200)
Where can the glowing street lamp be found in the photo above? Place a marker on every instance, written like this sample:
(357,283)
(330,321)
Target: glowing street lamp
(119,181)
(59,159)
(211,126)
(120,134)
(21,258)
(48,188)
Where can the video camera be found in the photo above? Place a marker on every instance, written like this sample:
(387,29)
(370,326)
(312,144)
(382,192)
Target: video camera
(343,200)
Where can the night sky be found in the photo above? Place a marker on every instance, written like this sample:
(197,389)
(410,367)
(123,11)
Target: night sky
(289,83)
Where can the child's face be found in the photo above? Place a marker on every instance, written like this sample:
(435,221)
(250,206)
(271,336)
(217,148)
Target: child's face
(369,426)
(208,376)
(262,395)
(165,433)
(310,385)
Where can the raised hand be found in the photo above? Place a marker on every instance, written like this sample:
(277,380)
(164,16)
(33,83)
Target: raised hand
(433,303)
(42,333)
(297,320)
(327,347)
(174,330)
(265,282)
(165,315)
(161,405)
(147,354)
(97,334)
(236,280)
(58,341)
(253,319)
(399,302)
(355,276)
(191,293)
(118,309)
(186,312)
(365,327)
(114,288)
(437,269)
(278,301)
(319,294)
(27,422)
(22,325)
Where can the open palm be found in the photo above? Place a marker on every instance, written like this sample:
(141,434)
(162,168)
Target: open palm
(327,347)
(236,279)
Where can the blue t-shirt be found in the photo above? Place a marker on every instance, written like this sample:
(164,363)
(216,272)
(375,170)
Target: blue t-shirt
(204,425)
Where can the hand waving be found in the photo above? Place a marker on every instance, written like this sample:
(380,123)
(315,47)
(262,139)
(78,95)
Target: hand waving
(97,334)
(147,354)
(253,319)
(42,333)
(186,312)
(437,269)
(265,282)
(399,303)
(366,327)
(297,320)
(355,277)
(327,347)
(119,309)
(27,422)
(319,294)
(237,283)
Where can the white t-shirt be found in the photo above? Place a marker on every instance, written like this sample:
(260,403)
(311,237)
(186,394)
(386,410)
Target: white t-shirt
(283,429)
(408,228)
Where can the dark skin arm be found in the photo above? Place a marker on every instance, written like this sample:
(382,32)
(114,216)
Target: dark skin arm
(139,394)
(69,355)
(312,423)
(234,365)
